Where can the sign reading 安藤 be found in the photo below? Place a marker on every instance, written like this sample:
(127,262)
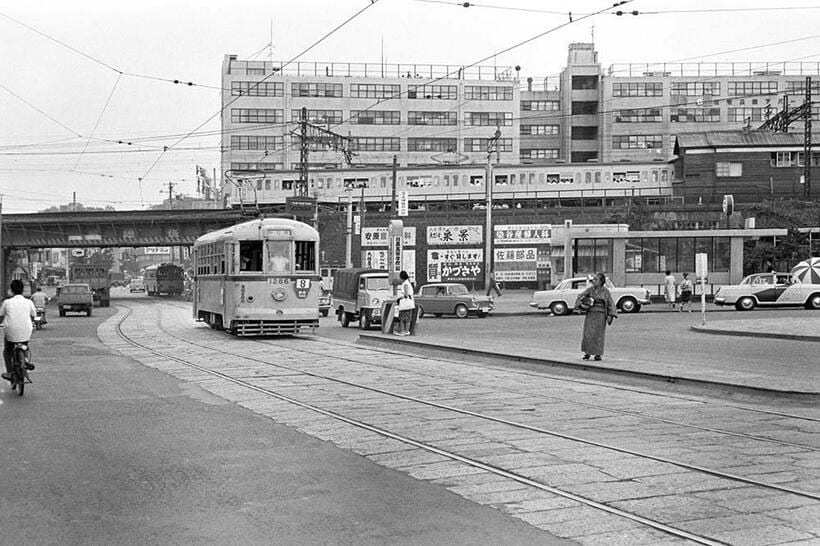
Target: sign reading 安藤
(454,235)
(377,236)
(527,234)
(516,264)
(455,264)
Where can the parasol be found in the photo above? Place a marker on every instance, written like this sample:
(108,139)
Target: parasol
(807,271)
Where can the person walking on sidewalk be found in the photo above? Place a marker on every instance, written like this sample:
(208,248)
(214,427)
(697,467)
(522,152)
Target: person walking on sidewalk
(493,285)
(669,288)
(685,288)
(600,308)
(406,305)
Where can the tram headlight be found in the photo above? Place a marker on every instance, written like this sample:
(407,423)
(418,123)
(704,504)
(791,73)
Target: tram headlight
(376,302)
(279,293)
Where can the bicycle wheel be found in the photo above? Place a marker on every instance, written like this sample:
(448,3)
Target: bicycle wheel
(18,375)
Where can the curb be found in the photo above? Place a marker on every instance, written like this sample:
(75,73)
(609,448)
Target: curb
(742,333)
(429,349)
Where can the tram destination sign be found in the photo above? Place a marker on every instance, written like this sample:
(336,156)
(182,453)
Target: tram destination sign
(299,203)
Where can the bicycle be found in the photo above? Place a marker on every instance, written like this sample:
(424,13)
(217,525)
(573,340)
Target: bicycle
(20,356)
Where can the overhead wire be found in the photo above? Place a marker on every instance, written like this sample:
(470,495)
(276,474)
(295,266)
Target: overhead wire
(99,119)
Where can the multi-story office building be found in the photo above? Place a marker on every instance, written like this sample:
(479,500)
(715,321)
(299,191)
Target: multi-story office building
(422,114)
(428,114)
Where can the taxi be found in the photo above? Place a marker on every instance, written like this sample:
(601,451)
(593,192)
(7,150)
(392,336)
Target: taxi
(769,290)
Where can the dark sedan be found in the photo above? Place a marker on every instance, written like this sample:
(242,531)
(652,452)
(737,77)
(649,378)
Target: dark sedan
(448,298)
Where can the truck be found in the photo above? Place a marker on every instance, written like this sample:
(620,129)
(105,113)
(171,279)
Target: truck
(77,298)
(358,295)
(97,278)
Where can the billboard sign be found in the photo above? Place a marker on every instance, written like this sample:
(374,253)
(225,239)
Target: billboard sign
(527,234)
(455,264)
(455,235)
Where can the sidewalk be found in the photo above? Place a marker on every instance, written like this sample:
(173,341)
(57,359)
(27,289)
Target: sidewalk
(802,329)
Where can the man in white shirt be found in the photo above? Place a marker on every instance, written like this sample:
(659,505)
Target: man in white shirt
(40,300)
(16,313)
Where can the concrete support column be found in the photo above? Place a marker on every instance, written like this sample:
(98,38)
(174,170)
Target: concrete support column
(618,262)
(735,261)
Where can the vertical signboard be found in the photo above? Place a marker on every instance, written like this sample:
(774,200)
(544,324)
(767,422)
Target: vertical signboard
(404,203)
(394,250)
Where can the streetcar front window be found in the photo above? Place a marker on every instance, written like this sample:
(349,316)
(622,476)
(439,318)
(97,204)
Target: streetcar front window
(250,255)
(278,257)
(306,256)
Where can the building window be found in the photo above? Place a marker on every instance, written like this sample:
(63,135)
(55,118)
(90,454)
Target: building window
(639,115)
(752,88)
(784,159)
(488,92)
(375,117)
(540,153)
(583,132)
(741,115)
(492,119)
(268,143)
(799,86)
(480,144)
(265,167)
(320,117)
(539,130)
(432,118)
(584,107)
(583,157)
(316,89)
(256,115)
(637,142)
(443,92)
(728,169)
(375,144)
(540,105)
(374,91)
(695,115)
(432,144)
(584,82)
(637,89)
(696,89)
(593,255)
(258,89)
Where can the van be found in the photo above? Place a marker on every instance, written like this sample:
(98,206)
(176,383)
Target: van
(358,295)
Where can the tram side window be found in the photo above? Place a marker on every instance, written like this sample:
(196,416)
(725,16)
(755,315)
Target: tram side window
(305,256)
(250,255)
(278,257)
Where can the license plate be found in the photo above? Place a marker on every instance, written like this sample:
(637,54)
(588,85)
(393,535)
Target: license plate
(485,309)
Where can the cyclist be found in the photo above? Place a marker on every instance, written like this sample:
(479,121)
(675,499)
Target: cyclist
(39,299)
(16,313)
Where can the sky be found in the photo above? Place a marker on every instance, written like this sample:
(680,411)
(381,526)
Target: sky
(65,107)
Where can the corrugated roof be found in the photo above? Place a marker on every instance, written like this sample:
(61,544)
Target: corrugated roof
(717,139)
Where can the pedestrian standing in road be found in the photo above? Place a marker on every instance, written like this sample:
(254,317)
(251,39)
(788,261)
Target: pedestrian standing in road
(669,288)
(685,288)
(406,305)
(493,285)
(600,308)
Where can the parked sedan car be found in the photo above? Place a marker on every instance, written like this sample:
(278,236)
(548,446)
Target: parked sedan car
(446,298)
(561,299)
(769,290)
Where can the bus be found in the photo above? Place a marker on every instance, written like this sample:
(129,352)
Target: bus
(164,279)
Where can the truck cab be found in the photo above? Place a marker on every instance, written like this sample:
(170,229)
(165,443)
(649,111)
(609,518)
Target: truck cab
(358,295)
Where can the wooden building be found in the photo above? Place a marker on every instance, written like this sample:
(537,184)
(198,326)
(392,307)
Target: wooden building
(750,165)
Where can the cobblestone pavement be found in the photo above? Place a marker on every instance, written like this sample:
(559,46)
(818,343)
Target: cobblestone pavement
(724,472)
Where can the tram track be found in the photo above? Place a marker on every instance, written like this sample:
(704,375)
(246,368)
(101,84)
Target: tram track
(471,461)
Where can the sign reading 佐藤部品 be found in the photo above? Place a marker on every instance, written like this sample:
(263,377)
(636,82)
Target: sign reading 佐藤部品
(377,236)
(455,264)
(455,235)
(527,234)
(516,264)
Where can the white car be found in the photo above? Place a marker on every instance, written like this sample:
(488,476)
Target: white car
(561,299)
(769,290)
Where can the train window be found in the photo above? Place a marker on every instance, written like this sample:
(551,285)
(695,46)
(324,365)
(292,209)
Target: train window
(455,180)
(587,177)
(435,180)
(512,179)
(267,183)
(664,176)
(250,256)
(553,178)
(597,177)
(278,257)
(306,256)
(446,180)
(476,179)
(320,182)
(541,178)
(654,177)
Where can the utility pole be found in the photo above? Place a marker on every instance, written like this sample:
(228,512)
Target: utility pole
(349,229)
(301,189)
(171,186)
(394,209)
(807,141)
(492,146)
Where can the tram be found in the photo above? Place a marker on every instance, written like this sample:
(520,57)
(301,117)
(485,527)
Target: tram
(164,279)
(258,278)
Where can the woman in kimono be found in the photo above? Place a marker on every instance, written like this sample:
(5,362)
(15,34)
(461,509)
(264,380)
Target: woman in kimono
(597,301)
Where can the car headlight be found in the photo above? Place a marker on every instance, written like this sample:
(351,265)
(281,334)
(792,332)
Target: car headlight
(376,302)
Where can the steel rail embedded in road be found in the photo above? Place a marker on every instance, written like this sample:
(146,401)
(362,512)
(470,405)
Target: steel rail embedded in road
(421,445)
